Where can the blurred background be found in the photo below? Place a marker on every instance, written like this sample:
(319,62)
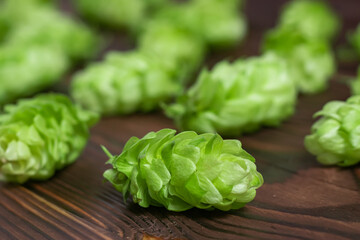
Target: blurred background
(261,15)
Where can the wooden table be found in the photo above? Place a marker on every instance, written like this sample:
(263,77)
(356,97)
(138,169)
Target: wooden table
(300,199)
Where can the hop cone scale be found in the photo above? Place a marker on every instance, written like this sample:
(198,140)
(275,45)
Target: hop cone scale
(41,135)
(335,137)
(184,171)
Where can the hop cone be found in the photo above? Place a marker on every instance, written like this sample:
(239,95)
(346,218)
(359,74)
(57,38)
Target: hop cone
(124,83)
(184,171)
(15,12)
(218,23)
(47,27)
(118,13)
(236,98)
(335,137)
(229,3)
(311,62)
(41,135)
(171,43)
(25,71)
(312,19)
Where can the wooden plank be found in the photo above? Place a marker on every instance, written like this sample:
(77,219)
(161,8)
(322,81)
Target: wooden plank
(300,198)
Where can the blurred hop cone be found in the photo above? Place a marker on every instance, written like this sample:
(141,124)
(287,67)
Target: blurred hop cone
(335,137)
(41,135)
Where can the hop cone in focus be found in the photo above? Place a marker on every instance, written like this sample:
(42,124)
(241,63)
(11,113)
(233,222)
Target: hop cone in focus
(41,135)
(184,171)
(312,19)
(25,71)
(125,83)
(335,137)
(311,62)
(236,98)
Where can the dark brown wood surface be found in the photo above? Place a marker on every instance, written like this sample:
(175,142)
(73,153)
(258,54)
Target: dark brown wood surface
(300,199)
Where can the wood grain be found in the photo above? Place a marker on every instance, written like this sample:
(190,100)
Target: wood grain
(300,198)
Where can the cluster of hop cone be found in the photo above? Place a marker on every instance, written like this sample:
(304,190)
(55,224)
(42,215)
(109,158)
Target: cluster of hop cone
(196,167)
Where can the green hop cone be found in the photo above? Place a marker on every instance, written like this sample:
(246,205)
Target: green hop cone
(311,62)
(14,12)
(354,39)
(26,71)
(219,22)
(229,3)
(335,137)
(125,83)
(184,171)
(41,135)
(171,43)
(237,98)
(312,19)
(47,27)
(118,13)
